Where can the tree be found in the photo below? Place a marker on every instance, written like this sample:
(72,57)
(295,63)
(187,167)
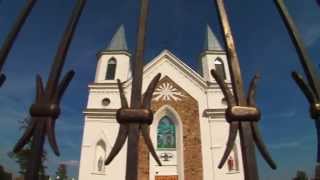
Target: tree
(61,173)
(22,157)
(301,175)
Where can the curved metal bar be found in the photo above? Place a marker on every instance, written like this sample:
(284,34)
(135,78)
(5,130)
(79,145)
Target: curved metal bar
(25,137)
(124,102)
(233,129)
(225,90)
(63,86)
(146,135)
(39,89)
(149,92)
(121,139)
(305,88)
(252,91)
(52,136)
(2,79)
(60,57)
(308,67)
(9,41)
(261,146)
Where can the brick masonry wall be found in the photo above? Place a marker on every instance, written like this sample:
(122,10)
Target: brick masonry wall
(188,110)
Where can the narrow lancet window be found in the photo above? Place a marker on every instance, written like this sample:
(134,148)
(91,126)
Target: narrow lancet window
(166,135)
(100,156)
(111,69)
(219,67)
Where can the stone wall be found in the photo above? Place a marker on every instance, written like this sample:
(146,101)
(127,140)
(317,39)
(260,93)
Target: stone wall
(187,108)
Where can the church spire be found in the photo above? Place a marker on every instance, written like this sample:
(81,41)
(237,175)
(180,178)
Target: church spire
(211,41)
(118,42)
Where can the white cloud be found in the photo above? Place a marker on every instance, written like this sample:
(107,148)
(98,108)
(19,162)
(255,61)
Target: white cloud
(286,145)
(311,34)
(74,163)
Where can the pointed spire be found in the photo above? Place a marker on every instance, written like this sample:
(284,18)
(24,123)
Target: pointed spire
(118,42)
(211,41)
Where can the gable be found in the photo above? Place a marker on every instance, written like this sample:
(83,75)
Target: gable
(170,66)
(166,57)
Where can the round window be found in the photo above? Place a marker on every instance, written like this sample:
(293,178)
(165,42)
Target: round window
(106,101)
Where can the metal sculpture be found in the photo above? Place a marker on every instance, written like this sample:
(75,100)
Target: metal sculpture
(138,116)
(46,108)
(311,87)
(10,39)
(242,113)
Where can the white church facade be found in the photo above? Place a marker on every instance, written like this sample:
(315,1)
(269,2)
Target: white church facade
(189,131)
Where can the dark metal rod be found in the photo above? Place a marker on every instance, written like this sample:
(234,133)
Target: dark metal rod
(10,39)
(136,101)
(35,160)
(305,59)
(133,152)
(139,56)
(234,65)
(311,88)
(246,134)
(60,57)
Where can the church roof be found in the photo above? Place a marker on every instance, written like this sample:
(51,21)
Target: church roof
(211,42)
(118,41)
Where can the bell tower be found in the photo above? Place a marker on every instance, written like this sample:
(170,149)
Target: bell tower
(114,61)
(213,56)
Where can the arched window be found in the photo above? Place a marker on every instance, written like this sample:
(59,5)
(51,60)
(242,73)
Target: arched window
(219,67)
(166,134)
(100,156)
(111,69)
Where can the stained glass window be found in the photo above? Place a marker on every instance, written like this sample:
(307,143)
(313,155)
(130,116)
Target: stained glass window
(166,136)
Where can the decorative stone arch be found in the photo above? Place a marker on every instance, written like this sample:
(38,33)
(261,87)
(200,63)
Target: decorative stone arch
(170,112)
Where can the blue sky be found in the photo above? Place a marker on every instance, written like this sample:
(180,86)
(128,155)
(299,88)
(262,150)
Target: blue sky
(263,46)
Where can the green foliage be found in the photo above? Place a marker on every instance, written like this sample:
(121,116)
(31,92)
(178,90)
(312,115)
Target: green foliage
(301,175)
(21,158)
(61,173)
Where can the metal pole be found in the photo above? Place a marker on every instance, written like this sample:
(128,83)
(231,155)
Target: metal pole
(311,87)
(10,39)
(247,142)
(242,113)
(138,117)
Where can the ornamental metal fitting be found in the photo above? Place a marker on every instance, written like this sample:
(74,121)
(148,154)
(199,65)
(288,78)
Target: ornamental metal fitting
(12,36)
(46,108)
(239,113)
(310,93)
(138,116)
(141,116)
(311,86)
(236,114)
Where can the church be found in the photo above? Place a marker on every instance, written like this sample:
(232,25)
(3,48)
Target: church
(189,131)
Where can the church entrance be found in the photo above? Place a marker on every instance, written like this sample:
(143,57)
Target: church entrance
(166,177)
